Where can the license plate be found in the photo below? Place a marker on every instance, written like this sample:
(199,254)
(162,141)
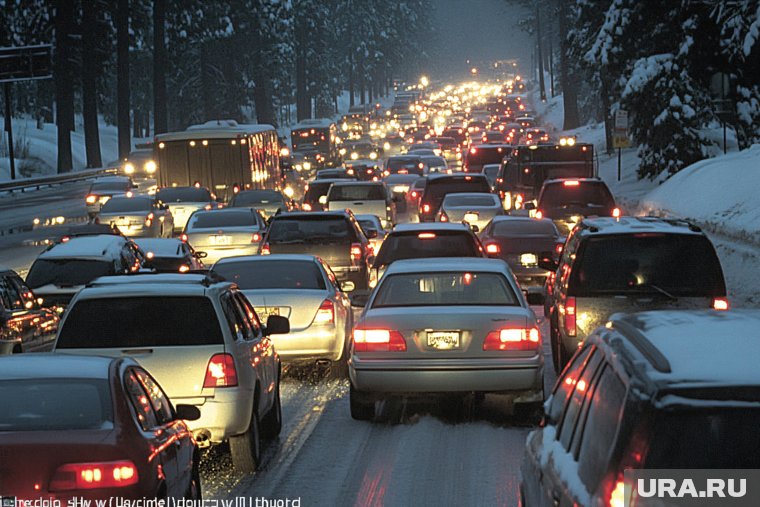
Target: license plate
(220,240)
(528,259)
(470,217)
(443,340)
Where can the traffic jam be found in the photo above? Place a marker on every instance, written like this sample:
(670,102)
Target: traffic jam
(252,313)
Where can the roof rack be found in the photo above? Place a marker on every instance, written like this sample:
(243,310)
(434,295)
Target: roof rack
(209,278)
(644,346)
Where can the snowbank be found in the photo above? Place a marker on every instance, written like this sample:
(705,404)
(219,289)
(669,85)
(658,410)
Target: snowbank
(720,193)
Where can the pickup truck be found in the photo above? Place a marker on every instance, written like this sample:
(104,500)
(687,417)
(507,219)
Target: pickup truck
(363,197)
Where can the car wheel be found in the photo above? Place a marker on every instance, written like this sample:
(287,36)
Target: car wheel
(554,338)
(246,448)
(271,425)
(362,409)
(564,356)
(194,488)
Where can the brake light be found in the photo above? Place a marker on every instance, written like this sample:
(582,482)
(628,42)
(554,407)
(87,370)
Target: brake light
(492,248)
(616,213)
(378,340)
(512,339)
(265,249)
(570,316)
(306,206)
(91,199)
(149,219)
(444,217)
(426,235)
(183,238)
(256,237)
(112,474)
(184,269)
(571,183)
(539,214)
(617,496)
(414,193)
(220,372)
(207,207)
(326,313)
(473,151)
(426,208)
(720,304)
(558,248)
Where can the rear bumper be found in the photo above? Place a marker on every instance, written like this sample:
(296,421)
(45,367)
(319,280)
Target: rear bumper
(314,342)
(226,414)
(513,376)
(356,274)
(216,253)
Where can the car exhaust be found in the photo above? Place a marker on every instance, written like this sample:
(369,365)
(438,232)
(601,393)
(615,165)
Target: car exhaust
(203,438)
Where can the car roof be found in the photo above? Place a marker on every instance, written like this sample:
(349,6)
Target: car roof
(471,194)
(683,349)
(316,123)
(430,226)
(310,214)
(273,257)
(630,225)
(357,183)
(558,181)
(51,366)
(166,282)
(99,245)
(458,176)
(444,264)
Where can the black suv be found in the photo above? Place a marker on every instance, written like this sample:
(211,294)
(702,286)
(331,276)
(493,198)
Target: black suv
(334,236)
(24,325)
(567,201)
(438,185)
(628,264)
(652,390)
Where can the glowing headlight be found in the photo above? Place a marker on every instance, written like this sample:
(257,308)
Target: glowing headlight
(373,155)
(354,156)
(307,165)
(299,167)
(342,151)
(289,192)
(386,146)
(150,167)
(129,168)
(284,152)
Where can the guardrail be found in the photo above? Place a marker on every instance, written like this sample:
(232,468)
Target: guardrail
(50,181)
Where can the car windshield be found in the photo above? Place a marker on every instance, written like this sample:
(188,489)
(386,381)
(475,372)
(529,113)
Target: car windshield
(516,228)
(127,205)
(187,194)
(55,404)
(67,272)
(444,289)
(714,438)
(254,198)
(416,245)
(356,193)
(226,218)
(466,201)
(272,274)
(143,321)
(110,186)
(584,193)
(680,264)
(309,230)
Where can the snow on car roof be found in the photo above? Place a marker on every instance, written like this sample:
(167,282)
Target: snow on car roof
(45,365)
(101,245)
(627,224)
(702,347)
(444,264)
(430,226)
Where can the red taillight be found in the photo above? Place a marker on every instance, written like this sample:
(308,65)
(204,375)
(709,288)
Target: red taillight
(571,183)
(492,248)
(414,193)
(207,207)
(91,199)
(539,214)
(558,248)
(183,238)
(570,316)
(356,252)
(616,213)
(473,151)
(256,237)
(378,340)
(112,474)
(426,208)
(220,371)
(326,313)
(512,339)
(265,249)
(720,304)
(617,495)
(149,219)
(306,206)
(444,217)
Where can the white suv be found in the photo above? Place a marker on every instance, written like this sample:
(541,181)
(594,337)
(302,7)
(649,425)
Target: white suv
(201,340)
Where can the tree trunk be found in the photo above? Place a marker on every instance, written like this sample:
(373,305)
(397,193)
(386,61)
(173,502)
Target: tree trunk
(303,109)
(64,82)
(122,78)
(90,70)
(606,112)
(351,79)
(160,116)
(569,84)
(542,86)
(206,84)
(262,97)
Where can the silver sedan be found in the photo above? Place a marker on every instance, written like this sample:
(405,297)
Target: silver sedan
(446,325)
(475,208)
(303,289)
(224,232)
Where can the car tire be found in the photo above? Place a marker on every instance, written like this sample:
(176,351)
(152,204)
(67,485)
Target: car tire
(554,339)
(362,409)
(564,356)
(246,448)
(271,424)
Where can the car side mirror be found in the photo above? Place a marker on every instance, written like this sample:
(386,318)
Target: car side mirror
(529,206)
(187,412)
(347,286)
(546,261)
(359,300)
(370,233)
(475,228)
(277,324)
(200,255)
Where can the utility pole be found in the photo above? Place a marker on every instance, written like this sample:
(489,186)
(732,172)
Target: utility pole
(541,83)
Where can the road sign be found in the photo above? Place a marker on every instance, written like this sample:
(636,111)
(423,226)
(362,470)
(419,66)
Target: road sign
(621,140)
(621,120)
(27,62)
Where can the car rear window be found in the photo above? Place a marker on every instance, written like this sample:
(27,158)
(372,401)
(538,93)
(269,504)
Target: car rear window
(416,245)
(110,186)
(143,321)
(253,198)
(190,194)
(67,271)
(648,263)
(719,437)
(437,189)
(127,205)
(316,190)
(405,166)
(444,289)
(479,155)
(556,195)
(458,201)
(315,229)
(272,274)
(524,228)
(356,193)
(227,218)
(55,404)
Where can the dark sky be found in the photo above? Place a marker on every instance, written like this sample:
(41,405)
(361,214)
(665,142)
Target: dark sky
(479,30)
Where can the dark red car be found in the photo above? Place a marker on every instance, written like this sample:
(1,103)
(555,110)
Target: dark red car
(91,427)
